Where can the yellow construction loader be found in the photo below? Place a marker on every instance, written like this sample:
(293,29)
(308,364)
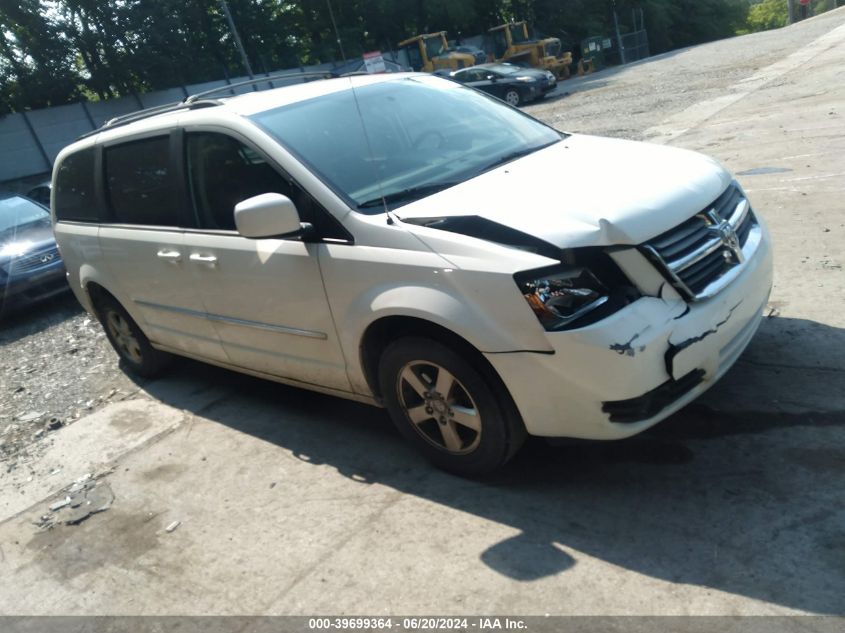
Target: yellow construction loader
(430,52)
(511,43)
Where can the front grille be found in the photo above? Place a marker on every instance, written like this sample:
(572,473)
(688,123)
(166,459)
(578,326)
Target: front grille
(699,252)
(33,261)
(650,404)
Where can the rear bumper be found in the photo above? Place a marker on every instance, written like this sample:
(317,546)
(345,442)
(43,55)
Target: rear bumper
(624,374)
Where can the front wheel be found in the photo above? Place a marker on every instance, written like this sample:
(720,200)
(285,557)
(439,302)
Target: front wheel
(513,98)
(129,341)
(454,413)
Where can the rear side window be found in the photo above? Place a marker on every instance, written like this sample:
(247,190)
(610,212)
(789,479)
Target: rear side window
(139,183)
(75,199)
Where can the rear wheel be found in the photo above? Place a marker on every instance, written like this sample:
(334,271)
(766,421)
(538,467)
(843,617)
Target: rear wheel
(512,97)
(448,408)
(127,339)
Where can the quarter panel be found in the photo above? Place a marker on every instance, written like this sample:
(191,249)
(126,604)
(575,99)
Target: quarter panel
(80,250)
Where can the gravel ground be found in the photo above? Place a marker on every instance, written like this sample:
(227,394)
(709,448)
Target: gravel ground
(55,365)
(55,361)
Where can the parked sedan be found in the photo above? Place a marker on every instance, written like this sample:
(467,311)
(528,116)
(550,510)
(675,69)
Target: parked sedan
(30,266)
(509,82)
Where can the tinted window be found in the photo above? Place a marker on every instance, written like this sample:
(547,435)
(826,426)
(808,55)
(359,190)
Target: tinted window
(414,58)
(223,172)
(75,198)
(40,194)
(139,183)
(476,75)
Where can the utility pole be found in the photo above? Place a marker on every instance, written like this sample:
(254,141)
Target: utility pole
(790,7)
(237,38)
(336,34)
(619,39)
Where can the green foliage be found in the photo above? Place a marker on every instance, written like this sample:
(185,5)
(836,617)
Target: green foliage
(36,66)
(58,51)
(768,14)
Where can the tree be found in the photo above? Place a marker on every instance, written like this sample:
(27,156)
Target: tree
(56,51)
(36,65)
(768,14)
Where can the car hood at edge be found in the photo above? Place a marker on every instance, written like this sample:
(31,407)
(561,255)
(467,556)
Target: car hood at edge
(30,236)
(585,191)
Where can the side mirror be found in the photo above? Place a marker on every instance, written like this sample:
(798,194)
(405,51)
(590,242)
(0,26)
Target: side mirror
(267,215)
(492,78)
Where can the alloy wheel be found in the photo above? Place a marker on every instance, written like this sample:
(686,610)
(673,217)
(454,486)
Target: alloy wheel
(439,407)
(123,337)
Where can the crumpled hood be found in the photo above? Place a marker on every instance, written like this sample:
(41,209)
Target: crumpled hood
(585,191)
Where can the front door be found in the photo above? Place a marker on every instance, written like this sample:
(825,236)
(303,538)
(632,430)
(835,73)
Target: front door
(265,297)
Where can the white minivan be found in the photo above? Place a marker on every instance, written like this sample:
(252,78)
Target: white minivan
(408,242)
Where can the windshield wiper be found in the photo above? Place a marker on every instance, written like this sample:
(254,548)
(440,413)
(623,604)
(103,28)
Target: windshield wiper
(408,195)
(514,155)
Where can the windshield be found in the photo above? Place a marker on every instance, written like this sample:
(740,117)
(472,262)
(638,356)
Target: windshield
(434,47)
(518,33)
(17,211)
(413,136)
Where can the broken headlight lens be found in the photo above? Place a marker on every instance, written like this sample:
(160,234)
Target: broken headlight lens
(561,296)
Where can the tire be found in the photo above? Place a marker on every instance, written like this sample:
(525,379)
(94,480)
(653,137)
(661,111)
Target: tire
(513,98)
(459,417)
(131,344)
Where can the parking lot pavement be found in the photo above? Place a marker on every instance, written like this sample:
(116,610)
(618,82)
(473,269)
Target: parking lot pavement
(249,497)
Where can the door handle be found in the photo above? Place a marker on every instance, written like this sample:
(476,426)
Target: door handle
(211,260)
(172,256)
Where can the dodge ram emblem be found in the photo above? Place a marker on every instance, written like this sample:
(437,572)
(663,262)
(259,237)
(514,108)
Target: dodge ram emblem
(727,234)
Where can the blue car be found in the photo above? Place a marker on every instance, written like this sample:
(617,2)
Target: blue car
(31,268)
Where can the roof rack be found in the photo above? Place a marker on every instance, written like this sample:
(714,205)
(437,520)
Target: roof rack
(162,109)
(126,119)
(324,74)
(200,100)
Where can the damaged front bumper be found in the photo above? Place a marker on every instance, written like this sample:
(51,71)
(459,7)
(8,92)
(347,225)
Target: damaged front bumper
(619,376)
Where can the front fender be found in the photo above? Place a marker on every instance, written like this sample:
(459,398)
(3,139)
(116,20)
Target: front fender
(486,331)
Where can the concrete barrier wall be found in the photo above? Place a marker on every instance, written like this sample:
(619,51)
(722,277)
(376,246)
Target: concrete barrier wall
(20,155)
(30,142)
(59,126)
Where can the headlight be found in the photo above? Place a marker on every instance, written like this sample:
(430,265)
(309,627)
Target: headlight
(582,291)
(562,295)
(14,249)
(528,80)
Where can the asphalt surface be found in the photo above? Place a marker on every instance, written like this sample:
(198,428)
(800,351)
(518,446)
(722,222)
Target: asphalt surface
(238,496)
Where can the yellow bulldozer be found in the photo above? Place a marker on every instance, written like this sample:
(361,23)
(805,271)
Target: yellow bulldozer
(430,52)
(512,43)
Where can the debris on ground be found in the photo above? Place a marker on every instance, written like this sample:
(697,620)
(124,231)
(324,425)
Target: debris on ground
(84,497)
(172,526)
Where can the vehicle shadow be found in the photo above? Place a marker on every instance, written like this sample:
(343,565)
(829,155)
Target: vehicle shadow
(18,322)
(736,495)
